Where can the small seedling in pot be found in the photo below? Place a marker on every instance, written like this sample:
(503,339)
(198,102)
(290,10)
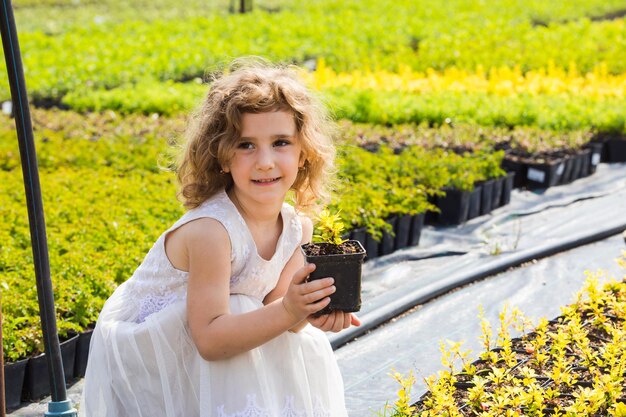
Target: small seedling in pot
(328,239)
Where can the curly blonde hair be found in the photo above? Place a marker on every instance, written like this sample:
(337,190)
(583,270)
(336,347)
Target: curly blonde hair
(255,87)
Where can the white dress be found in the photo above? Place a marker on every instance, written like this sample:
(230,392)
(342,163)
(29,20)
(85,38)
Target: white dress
(143,362)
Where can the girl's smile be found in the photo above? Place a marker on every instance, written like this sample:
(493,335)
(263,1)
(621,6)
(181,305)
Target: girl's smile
(266,181)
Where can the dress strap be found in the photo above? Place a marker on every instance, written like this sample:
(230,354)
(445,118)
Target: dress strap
(220,208)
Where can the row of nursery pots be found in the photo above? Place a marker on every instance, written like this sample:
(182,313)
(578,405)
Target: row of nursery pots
(458,206)
(455,207)
(28,380)
(406,230)
(554,170)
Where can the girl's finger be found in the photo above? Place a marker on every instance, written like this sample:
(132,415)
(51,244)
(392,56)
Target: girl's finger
(319,294)
(330,323)
(315,307)
(316,285)
(301,274)
(319,321)
(347,319)
(338,325)
(354,320)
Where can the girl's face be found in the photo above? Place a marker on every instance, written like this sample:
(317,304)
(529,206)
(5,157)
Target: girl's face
(266,157)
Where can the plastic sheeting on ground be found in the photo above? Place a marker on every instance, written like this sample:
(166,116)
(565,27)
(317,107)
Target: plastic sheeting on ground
(533,219)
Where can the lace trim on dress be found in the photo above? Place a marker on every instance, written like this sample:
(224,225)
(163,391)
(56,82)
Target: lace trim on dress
(253,409)
(151,304)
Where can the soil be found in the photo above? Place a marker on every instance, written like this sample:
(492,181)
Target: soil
(321,249)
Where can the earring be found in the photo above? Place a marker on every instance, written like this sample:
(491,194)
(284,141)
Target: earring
(222,172)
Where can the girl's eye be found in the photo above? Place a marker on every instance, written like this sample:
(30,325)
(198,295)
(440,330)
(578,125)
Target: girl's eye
(282,142)
(244,145)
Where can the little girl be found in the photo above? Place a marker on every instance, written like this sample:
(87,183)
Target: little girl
(217,320)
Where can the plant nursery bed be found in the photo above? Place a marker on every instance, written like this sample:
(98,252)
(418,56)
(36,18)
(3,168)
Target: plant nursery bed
(549,379)
(538,288)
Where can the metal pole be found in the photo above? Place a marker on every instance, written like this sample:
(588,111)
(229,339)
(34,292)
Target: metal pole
(59,406)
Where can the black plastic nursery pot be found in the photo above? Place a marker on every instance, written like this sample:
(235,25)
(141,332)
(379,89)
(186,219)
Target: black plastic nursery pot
(371,246)
(617,150)
(486,197)
(431,216)
(576,167)
(14,373)
(454,206)
(568,166)
(496,196)
(82,353)
(417,224)
(584,157)
(403,231)
(388,241)
(595,155)
(474,202)
(544,175)
(344,268)
(518,168)
(507,187)
(36,383)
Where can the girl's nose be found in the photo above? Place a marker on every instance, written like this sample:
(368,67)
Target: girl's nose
(265,159)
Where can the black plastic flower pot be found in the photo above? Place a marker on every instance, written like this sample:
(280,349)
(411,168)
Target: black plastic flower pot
(82,353)
(595,156)
(496,196)
(387,242)
(417,224)
(344,268)
(568,164)
(403,231)
(584,157)
(544,175)
(486,197)
(474,202)
(617,150)
(36,383)
(576,167)
(431,216)
(454,207)
(519,168)
(14,373)
(507,188)
(371,247)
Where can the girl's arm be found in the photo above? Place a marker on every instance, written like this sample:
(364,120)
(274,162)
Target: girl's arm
(216,332)
(295,262)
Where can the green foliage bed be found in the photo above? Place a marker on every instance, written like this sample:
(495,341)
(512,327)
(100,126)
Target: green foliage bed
(145,56)
(108,194)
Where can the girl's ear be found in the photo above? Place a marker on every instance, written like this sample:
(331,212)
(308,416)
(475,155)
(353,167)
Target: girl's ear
(302,160)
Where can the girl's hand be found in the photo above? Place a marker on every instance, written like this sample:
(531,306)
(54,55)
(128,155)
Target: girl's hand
(335,322)
(305,298)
